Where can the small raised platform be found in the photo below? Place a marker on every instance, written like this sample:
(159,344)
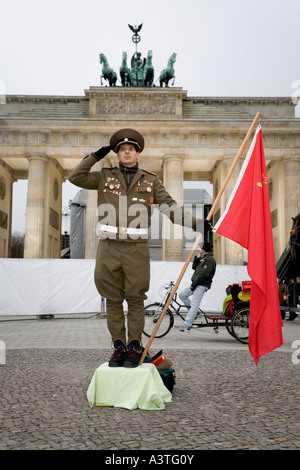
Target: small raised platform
(140,387)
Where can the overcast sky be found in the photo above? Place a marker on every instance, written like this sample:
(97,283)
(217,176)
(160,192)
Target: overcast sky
(224,47)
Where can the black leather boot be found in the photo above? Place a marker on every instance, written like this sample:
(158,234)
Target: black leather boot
(117,359)
(133,354)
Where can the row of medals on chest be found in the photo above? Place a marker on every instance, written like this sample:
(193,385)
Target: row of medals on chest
(112,185)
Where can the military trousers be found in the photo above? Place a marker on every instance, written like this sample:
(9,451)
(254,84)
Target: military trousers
(122,272)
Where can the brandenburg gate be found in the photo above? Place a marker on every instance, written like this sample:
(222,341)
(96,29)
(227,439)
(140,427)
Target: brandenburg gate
(186,139)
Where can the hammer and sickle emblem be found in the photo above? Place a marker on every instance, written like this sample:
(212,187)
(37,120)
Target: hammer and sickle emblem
(264,181)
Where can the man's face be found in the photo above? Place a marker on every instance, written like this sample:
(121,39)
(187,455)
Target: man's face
(127,155)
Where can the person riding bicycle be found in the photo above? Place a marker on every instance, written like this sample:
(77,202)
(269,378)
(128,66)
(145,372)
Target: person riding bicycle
(204,265)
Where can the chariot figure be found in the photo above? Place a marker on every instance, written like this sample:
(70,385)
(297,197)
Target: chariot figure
(137,70)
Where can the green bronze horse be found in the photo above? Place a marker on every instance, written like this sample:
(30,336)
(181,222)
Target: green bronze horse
(125,71)
(168,73)
(107,73)
(148,70)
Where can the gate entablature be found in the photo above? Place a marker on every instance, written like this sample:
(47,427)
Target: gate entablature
(135,102)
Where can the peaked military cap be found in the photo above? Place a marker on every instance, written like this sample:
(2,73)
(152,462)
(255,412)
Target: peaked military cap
(127,136)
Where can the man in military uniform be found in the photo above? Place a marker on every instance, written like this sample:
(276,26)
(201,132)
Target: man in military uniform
(122,270)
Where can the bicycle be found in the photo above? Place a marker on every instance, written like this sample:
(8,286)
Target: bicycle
(236,323)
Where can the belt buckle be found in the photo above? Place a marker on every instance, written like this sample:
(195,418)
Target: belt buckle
(122,230)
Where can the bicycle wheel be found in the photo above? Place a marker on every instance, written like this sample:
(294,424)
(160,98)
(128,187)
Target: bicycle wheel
(240,325)
(228,322)
(152,315)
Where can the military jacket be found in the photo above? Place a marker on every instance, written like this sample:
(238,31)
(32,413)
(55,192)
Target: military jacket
(125,213)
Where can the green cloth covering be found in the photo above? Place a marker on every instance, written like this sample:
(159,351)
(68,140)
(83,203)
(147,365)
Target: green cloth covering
(131,388)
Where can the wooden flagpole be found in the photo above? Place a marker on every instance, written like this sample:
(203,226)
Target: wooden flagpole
(199,237)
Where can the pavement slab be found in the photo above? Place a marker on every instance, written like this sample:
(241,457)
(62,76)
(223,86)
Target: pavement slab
(221,399)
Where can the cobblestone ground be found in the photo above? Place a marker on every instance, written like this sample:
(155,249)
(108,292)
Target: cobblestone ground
(221,400)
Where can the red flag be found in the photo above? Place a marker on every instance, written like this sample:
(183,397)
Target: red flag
(247,221)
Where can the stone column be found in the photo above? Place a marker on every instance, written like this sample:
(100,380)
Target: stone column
(35,209)
(291,192)
(6,181)
(172,242)
(234,253)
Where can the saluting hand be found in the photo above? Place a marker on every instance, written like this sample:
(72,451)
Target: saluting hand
(103,151)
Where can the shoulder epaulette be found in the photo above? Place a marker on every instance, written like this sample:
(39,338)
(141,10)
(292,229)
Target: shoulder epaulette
(150,172)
